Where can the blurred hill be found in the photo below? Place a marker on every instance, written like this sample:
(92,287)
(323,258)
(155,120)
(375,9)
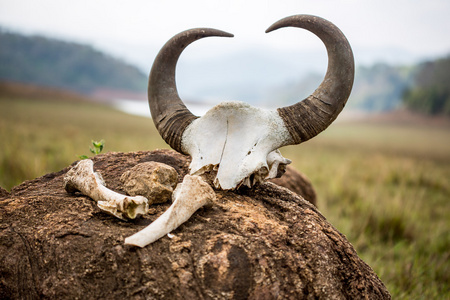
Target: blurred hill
(424,88)
(258,77)
(54,63)
(380,87)
(376,89)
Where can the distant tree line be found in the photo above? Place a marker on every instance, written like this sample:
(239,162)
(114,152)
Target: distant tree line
(49,62)
(430,91)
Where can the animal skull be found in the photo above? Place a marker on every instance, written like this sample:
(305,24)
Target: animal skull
(238,141)
(234,138)
(218,140)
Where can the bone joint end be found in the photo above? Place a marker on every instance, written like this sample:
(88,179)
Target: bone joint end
(82,178)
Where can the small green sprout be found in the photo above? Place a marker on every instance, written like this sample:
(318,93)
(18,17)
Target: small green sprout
(98,147)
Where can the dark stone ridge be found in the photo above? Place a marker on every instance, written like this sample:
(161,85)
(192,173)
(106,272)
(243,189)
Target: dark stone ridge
(3,192)
(260,243)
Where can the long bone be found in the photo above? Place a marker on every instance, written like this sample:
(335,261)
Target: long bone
(83,178)
(234,138)
(190,195)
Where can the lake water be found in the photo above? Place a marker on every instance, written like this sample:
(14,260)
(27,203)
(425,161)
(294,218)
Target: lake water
(141,108)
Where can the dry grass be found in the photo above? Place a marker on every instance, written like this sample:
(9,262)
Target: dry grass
(38,137)
(386,187)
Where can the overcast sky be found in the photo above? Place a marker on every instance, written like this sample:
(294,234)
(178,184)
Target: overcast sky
(136,29)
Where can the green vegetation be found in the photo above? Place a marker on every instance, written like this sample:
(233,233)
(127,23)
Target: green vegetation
(430,93)
(386,187)
(50,62)
(39,136)
(96,149)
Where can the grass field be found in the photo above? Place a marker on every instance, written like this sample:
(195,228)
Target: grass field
(386,186)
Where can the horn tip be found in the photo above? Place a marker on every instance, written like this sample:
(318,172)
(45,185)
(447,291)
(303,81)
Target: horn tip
(226,34)
(215,32)
(271,28)
(291,21)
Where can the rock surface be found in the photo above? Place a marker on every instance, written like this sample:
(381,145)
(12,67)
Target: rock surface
(260,243)
(298,183)
(3,192)
(153,180)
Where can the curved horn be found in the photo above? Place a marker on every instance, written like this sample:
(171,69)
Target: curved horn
(309,117)
(170,115)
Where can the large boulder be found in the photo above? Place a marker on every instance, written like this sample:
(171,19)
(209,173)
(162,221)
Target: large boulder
(298,183)
(261,243)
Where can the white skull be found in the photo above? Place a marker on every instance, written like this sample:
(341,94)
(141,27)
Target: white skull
(238,141)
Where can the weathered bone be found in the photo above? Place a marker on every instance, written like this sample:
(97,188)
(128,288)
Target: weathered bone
(83,178)
(243,136)
(277,164)
(190,195)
